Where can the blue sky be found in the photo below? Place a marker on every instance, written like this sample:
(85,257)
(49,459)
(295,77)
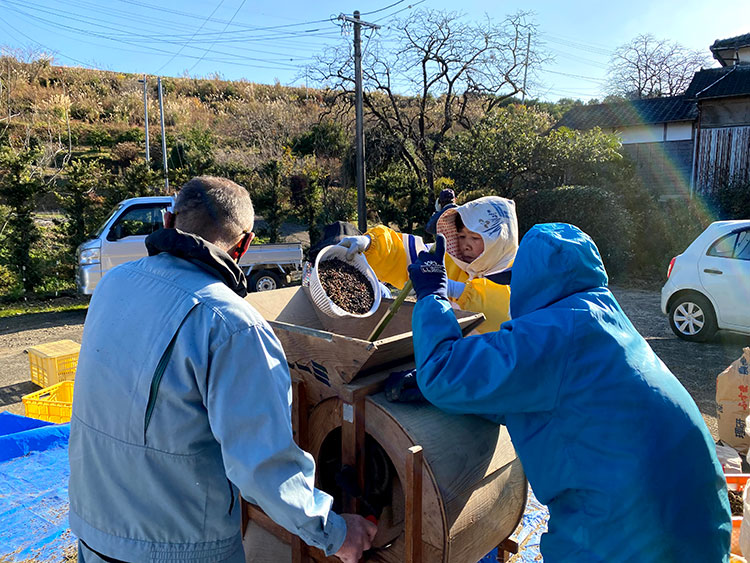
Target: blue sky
(202,37)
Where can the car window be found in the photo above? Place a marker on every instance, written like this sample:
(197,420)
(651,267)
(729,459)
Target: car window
(742,248)
(724,247)
(139,221)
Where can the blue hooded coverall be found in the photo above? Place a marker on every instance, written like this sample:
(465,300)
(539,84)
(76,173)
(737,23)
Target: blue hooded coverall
(610,440)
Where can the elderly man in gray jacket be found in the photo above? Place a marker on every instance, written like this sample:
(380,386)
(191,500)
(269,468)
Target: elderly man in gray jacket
(182,403)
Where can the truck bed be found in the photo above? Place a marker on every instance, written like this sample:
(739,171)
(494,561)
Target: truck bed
(284,253)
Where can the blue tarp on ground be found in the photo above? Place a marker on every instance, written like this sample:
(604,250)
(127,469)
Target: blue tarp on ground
(34,496)
(33,489)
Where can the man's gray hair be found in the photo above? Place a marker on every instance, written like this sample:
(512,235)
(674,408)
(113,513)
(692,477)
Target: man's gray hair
(216,209)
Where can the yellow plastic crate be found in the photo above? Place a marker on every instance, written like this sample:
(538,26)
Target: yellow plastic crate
(53,404)
(53,362)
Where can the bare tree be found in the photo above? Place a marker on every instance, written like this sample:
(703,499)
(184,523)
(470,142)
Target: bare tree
(431,73)
(648,67)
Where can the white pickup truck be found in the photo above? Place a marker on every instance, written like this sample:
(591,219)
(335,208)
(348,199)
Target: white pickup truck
(121,239)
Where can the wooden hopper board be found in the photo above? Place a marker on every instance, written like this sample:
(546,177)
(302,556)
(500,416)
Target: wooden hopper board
(334,356)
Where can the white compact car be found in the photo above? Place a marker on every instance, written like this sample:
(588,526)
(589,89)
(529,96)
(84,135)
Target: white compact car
(708,285)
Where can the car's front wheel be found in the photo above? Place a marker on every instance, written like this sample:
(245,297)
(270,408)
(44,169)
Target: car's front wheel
(692,317)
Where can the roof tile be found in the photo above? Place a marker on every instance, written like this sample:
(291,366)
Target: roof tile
(636,112)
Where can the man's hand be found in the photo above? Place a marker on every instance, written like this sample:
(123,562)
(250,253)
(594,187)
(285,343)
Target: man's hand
(355,245)
(427,273)
(359,536)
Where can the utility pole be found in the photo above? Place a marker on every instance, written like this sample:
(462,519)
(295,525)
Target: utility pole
(163,140)
(145,120)
(358,103)
(526,68)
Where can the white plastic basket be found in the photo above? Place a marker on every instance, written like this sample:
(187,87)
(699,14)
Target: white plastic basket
(320,297)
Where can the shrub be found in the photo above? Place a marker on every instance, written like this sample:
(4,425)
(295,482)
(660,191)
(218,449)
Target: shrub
(125,153)
(8,280)
(399,198)
(662,229)
(597,212)
(327,138)
(733,201)
(99,138)
(132,135)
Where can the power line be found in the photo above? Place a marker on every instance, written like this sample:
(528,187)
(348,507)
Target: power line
(240,60)
(382,9)
(570,56)
(214,43)
(578,45)
(409,7)
(160,37)
(589,78)
(189,15)
(154,49)
(43,46)
(201,27)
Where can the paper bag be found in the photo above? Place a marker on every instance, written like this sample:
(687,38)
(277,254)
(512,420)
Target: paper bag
(733,403)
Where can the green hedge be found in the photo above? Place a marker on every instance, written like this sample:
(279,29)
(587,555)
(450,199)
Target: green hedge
(596,211)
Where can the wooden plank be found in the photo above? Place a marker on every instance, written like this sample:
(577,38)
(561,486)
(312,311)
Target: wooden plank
(261,519)
(413,528)
(299,553)
(725,112)
(289,305)
(337,356)
(507,549)
(262,546)
(331,358)
(244,516)
(353,447)
(300,413)
(491,511)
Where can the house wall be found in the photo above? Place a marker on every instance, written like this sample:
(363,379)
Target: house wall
(665,167)
(640,134)
(743,54)
(680,131)
(725,112)
(658,132)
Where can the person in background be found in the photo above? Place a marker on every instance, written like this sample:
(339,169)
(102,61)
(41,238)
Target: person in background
(609,439)
(482,240)
(182,403)
(446,200)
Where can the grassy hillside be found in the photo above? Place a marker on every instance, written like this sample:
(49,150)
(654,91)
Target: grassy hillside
(101,114)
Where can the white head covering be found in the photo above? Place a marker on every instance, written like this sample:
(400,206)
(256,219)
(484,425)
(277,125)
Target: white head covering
(494,218)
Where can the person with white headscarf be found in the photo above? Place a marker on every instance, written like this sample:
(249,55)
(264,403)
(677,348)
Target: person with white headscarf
(481,241)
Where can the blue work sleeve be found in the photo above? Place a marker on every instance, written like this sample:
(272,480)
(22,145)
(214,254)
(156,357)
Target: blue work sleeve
(249,396)
(514,370)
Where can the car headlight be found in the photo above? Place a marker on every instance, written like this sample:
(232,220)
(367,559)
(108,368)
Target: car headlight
(90,256)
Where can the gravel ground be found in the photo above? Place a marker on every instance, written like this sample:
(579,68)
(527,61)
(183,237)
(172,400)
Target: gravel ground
(696,365)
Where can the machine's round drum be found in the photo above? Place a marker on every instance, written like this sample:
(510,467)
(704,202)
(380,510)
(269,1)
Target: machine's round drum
(473,486)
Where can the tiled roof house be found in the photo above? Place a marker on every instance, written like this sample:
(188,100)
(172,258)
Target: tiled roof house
(699,141)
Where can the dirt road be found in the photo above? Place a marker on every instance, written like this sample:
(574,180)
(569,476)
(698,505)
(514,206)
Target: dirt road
(696,365)
(19,333)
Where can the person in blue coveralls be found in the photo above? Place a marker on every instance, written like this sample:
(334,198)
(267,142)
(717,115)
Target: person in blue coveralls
(609,439)
(182,404)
